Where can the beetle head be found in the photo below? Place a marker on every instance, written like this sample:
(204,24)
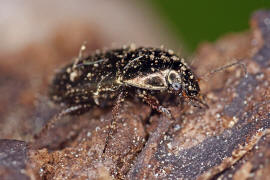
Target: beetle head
(183,82)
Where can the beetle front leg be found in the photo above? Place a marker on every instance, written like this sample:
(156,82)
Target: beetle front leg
(154,103)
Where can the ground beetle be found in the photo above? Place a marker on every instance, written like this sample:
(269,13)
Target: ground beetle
(98,80)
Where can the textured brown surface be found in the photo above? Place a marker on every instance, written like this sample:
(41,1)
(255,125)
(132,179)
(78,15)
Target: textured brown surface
(228,140)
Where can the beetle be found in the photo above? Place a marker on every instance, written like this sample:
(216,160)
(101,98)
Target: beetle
(144,72)
(106,78)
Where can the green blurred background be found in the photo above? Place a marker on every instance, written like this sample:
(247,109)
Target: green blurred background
(198,21)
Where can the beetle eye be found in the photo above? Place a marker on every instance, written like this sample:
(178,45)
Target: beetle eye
(172,76)
(176,86)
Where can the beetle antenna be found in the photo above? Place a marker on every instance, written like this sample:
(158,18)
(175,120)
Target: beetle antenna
(222,68)
(132,61)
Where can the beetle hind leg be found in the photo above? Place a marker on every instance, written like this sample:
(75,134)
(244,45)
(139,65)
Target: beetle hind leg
(50,124)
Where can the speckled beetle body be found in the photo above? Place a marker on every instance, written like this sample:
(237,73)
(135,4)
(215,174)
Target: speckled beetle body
(98,79)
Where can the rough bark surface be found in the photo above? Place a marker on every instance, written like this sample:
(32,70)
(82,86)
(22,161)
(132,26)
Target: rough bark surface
(230,140)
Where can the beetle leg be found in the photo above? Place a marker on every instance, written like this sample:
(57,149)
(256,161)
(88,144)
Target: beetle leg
(50,124)
(154,103)
(115,113)
(199,102)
